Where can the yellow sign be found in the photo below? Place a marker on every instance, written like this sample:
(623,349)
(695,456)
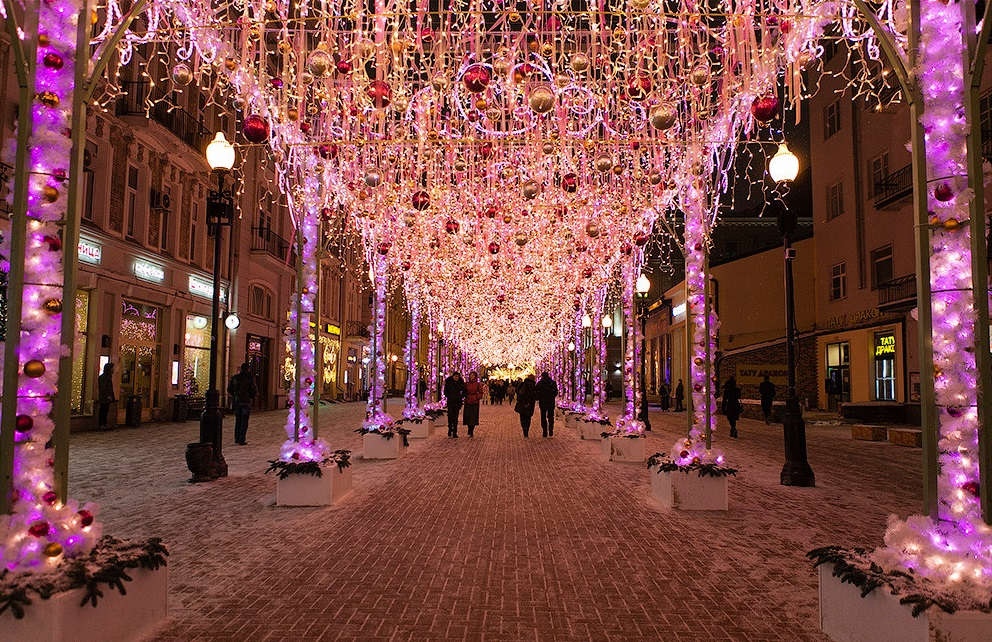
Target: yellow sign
(885,345)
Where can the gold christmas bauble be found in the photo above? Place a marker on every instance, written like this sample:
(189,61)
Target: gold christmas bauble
(700,74)
(230,64)
(663,116)
(579,62)
(604,163)
(293,113)
(52,549)
(481,104)
(49,193)
(34,368)
(507,219)
(49,99)
(618,169)
(53,306)
(541,99)
(952,224)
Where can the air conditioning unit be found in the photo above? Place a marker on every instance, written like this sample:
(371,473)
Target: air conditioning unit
(160,200)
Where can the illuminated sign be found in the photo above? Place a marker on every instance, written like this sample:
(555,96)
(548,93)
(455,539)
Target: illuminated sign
(678,310)
(203,288)
(89,252)
(149,271)
(885,345)
(254,345)
(333,329)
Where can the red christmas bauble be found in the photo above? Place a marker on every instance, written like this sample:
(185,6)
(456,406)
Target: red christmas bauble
(383,248)
(570,182)
(494,264)
(420,200)
(943,193)
(476,78)
(684,454)
(451,226)
(24,423)
(494,248)
(328,152)
(638,88)
(486,150)
(85,517)
(53,61)
(39,529)
(626,249)
(255,128)
(577,305)
(54,243)
(587,272)
(343,67)
(640,239)
(528,269)
(765,108)
(490,212)
(405,265)
(380,92)
(50,497)
(973,488)
(305,128)
(276,83)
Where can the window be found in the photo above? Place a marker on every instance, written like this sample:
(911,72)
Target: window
(885,367)
(835,200)
(194,219)
(89,160)
(259,302)
(838,281)
(165,218)
(831,119)
(838,381)
(881,266)
(131,200)
(985,115)
(878,172)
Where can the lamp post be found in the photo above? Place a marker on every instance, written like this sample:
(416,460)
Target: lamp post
(642,287)
(783,168)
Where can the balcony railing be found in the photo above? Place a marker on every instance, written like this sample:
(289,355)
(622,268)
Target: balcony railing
(263,239)
(987,144)
(6,185)
(141,99)
(897,292)
(894,187)
(357,329)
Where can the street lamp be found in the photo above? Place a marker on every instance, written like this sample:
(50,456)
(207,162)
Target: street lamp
(642,287)
(220,207)
(783,168)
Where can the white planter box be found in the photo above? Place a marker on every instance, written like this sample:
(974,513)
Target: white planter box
(879,617)
(623,449)
(310,490)
(688,491)
(441,422)
(423,430)
(117,617)
(378,447)
(591,430)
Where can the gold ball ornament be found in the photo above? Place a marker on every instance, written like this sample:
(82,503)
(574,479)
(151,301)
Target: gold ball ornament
(53,306)
(579,62)
(533,45)
(531,189)
(482,104)
(34,368)
(230,64)
(293,113)
(547,49)
(49,193)
(52,549)
(592,229)
(515,17)
(501,67)
(952,224)
(618,169)
(521,238)
(182,74)
(604,163)
(507,219)
(654,178)
(541,99)
(663,116)
(459,165)
(440,82)
(49,99)
(319,63)
(700,74)
(640,4)
(548,148)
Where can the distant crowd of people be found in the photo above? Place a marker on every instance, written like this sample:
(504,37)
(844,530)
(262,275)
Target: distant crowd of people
(465,397)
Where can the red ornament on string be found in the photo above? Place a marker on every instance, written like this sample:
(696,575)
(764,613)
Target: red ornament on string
(255,128)
(528,269)
(54,243)
(943,193)
(476,78)
(50,497)
(638,88)
(24,423)
(383,248)
(39,529)
(380,92)
(486,150)
(328,152)
(420,200)
(570,182)
(85,517)
(490,212)
(973,488)
(343,67)
(765,108)
(626,249)
(640,239)
(53,61)
(494,248)
(405,265)
(451,226)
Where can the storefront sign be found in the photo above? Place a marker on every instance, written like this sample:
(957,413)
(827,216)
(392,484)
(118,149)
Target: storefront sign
(678,310)
(254,345)
(885,346)
(91,253)
(333,329)
(149,271)
(861,316)
(754,374)
(199,287)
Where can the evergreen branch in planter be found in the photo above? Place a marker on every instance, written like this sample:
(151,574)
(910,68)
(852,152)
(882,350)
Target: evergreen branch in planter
(625,435)
(107,564)
(284,469)
(387,434)
(666,465)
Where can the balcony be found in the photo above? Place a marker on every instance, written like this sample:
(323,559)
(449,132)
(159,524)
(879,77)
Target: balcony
(357,329)
(141,99)
(890,191)
(897,293)
(265,241)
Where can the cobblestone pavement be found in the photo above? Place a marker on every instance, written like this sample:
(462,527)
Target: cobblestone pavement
(495,538)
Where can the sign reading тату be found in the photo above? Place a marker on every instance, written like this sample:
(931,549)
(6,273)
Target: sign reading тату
(754,374)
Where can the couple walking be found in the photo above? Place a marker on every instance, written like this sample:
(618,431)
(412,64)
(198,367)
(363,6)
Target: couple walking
(542,394)
(458,393)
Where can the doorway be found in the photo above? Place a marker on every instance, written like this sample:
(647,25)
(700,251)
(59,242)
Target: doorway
(257,358)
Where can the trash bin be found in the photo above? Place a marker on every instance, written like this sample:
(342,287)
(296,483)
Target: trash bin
(180,408)
(132,414)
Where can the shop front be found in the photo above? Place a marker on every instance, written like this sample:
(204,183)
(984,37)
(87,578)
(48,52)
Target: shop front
(257,356)
(139,359)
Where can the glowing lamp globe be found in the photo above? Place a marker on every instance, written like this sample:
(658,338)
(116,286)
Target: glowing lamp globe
(784,165)
(607,321)
(232,321)
(220,154)
(586,321)
(571,346)
(643,284)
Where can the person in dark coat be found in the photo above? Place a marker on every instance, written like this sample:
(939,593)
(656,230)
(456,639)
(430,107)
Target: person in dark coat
(545,392)
(421,389)
(474,392)
(766,390)
(242,389)
(454,392)
(105,394)
(524,405)
(679,397)
(732,404)
(666,396)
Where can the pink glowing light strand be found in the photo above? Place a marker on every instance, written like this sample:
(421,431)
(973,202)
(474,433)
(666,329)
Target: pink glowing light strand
(628,422)
(958,548)
(40,519)
(412,409)
(376,417)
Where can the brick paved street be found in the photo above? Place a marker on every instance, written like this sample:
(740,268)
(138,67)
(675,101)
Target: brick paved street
(494,538)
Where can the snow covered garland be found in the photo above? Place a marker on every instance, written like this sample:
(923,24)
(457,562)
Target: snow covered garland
(44,528)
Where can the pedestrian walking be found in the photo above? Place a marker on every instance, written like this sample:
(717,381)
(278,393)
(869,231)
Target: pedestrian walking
(545,392)
(105,395)
(511,389)
(525,402)
(242,390)
(679,397)
(474,393)
(766,390)
(421,389)
(454,392)
(732,404)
